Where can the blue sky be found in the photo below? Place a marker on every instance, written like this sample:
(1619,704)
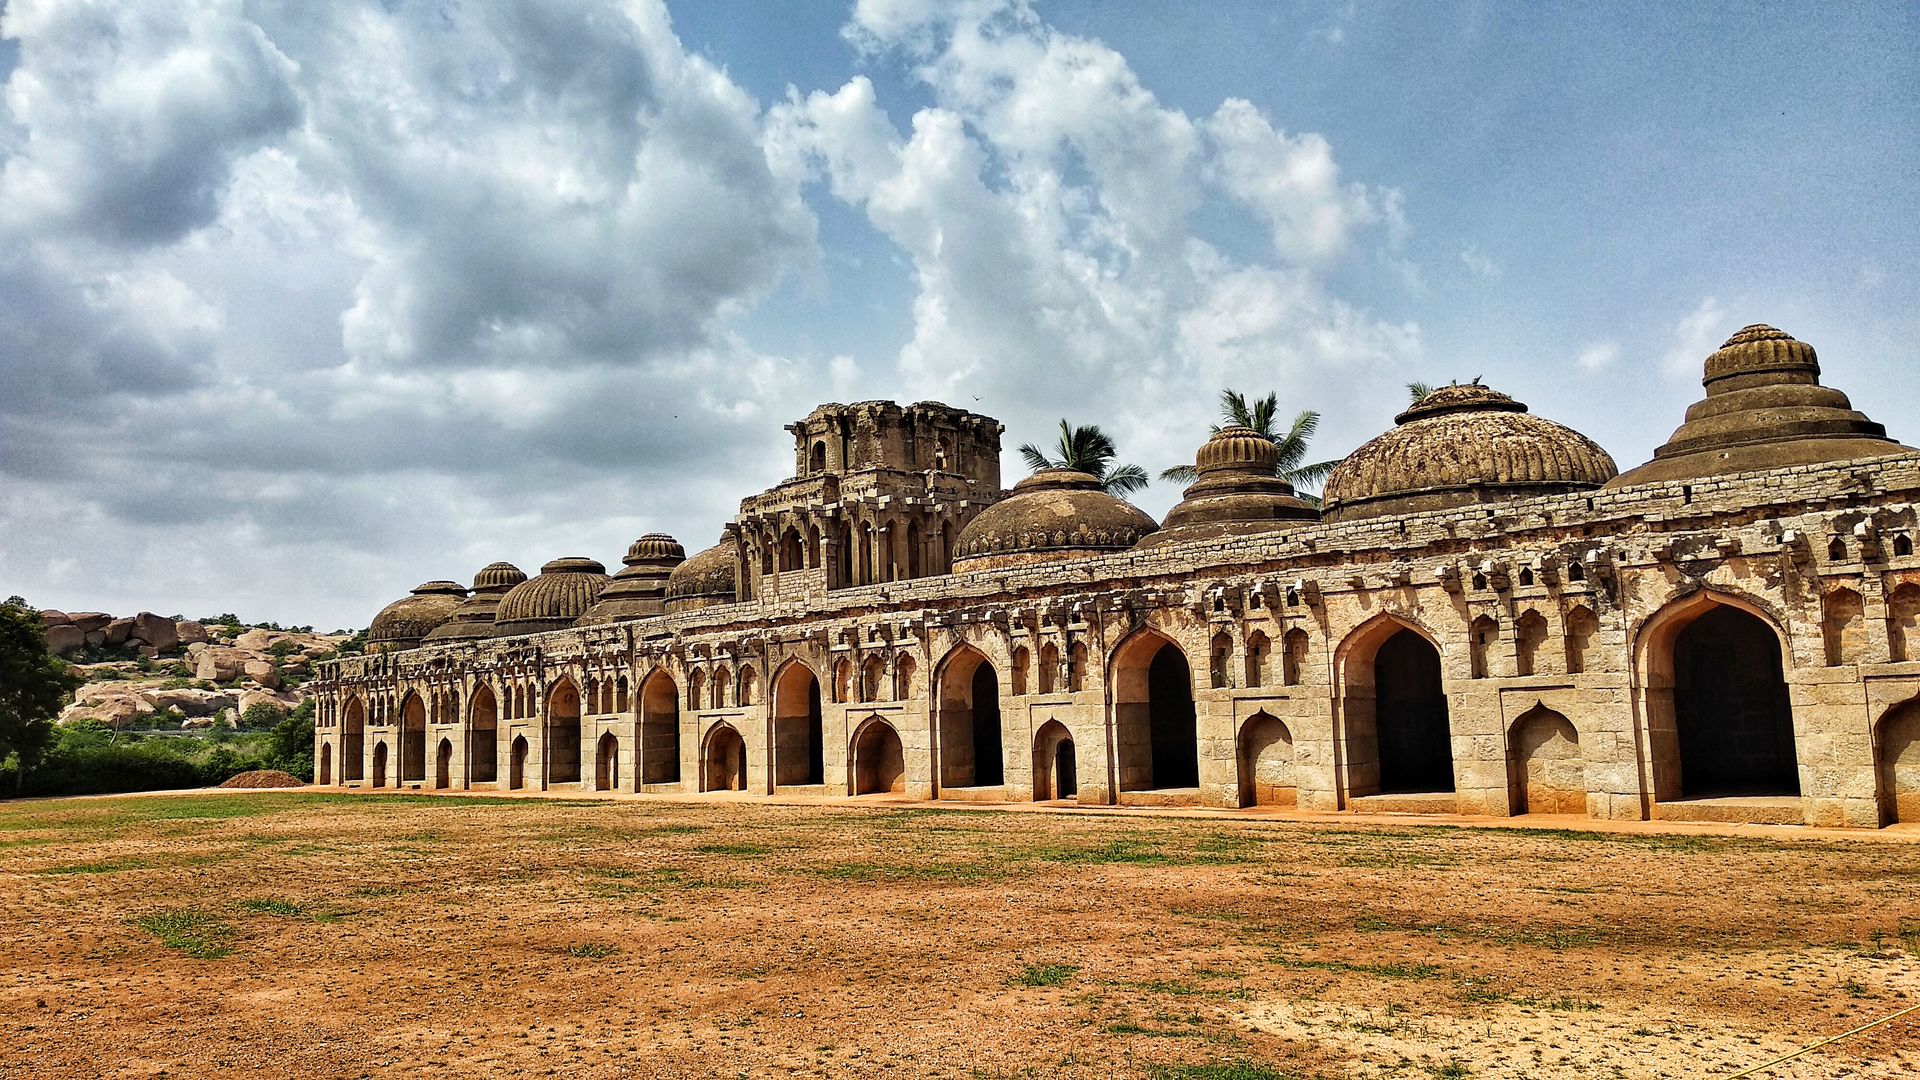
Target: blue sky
(302,305)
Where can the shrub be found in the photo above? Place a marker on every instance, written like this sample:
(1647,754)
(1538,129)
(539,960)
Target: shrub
(262,715)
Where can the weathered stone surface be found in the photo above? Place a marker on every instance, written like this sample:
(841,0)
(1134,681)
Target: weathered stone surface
(157,631)
(262,672)
(220,663)
(192,702)
(118,631)
(95,638)
(89,621)
(65,639)
(190,632)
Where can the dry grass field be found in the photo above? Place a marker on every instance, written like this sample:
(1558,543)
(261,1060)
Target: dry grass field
(332,935)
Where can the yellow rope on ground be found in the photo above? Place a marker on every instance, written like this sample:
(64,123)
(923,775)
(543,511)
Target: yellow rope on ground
(1763,1066)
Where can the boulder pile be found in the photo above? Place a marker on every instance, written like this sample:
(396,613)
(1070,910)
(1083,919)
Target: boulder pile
(207,675)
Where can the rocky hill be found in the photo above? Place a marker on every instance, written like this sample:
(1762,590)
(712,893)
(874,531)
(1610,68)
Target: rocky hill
(152,671)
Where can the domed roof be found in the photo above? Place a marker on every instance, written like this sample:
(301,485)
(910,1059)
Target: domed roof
(639,590)
(473,619)
(707,578)
(1461,445)
(1237,493)
(552,600)
(1052,514)
(1764,409)
(401,624)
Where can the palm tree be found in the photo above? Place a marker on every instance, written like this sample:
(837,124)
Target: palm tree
(1089,450)
(1260,416)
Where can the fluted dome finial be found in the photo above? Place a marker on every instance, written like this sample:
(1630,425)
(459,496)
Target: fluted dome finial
(1764,409)
(1238,492)
(473,619)
(639,590)
(1459,445)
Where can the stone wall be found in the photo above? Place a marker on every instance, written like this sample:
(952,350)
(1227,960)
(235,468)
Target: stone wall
(1560,626)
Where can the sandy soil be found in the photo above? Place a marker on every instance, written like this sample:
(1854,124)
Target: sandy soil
(284,934)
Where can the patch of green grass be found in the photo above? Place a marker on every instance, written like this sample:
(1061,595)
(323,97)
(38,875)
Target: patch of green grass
(271,907)
(1219,1070)
(946,873)
(105,866)
(1131,852)
(1045,975)
(195,933)
(1452,1070)
(591,950)
(737,850)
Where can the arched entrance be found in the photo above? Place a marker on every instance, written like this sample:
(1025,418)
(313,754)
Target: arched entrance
(413,740)
(724,765)
(323,774)
(606,764)
(1158,743)
(380,764)
(799,745)
(659,730)
(443,765)
(1266,763)
(1056,773)
(879,761)
(1548,774)
(353,743)
(1899,753)
(483,738)
(1733,725)
(563,733)
(971,750)
(1410,716)
(517,764)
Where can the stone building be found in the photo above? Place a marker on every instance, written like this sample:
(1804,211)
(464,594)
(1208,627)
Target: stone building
(1484,617)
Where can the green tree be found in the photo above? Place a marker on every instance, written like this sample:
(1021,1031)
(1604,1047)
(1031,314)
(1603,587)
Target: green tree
(1091,451)
(34,685)
(291,746)
(1263,416)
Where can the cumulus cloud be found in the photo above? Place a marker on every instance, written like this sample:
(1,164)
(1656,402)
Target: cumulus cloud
(300,304)
(372,292)
(1596,356)
(1698,333)
(1047,202)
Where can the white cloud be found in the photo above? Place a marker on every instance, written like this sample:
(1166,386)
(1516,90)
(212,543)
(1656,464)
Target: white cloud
(1596,356)
(1697,334)
(1479,263)
(1046,200)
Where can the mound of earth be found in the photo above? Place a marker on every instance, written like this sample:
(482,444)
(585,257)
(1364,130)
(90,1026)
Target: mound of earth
(264,778)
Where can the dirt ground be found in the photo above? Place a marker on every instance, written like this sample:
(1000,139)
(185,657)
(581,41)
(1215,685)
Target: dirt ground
(283,934)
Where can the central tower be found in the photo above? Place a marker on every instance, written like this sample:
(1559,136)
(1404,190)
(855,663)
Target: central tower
(879,493)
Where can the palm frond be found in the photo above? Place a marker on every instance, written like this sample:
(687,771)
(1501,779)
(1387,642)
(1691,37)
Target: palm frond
(1418,390)
(1180,474)
(1034,458)
(1124,480)
(1310,475)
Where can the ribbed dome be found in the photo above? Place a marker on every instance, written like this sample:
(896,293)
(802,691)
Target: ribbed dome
(1461,445)
(553,600)
(1053,514)
(403,623)
(473,619)
(1237,493)
(707,578)
(639,590)
(1764,409)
